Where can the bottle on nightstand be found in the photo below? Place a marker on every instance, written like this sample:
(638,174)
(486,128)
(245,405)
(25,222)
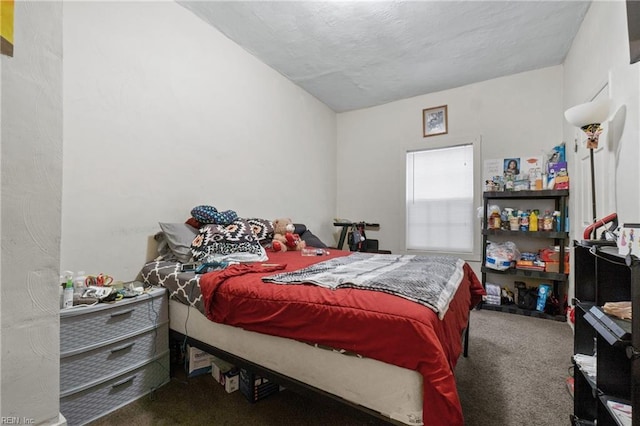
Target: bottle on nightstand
(68,292)
(79,284)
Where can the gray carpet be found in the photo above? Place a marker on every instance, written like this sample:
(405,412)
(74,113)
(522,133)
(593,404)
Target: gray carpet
(516,371)
(514,375)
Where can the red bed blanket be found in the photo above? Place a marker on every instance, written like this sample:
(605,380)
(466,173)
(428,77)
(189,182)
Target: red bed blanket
(373,324)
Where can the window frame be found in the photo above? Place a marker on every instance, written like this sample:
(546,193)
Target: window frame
(476,142)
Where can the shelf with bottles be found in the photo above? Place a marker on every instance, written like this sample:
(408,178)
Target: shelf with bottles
(533,221)
(555,201)
(521,221)
(536,252)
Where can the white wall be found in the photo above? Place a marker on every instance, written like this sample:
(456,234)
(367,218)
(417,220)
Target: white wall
(163,113)
(518,115)
(600,55)
(31,176)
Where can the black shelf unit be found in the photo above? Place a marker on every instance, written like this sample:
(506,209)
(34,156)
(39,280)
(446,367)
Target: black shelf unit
(558,279)
(602,275)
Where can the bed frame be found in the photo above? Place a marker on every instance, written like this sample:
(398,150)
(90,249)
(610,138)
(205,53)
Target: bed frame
(285,381)
(330,373)
(188,325)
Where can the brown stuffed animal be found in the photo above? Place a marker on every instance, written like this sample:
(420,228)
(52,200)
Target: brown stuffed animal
(284,237)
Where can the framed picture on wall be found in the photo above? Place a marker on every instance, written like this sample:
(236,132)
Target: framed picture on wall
(6,27)
(434,121)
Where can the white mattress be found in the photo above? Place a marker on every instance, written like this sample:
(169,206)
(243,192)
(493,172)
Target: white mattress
(394,392)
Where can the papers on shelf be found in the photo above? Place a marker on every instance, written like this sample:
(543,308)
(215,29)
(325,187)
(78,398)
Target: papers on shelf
(587,364)
(621,411)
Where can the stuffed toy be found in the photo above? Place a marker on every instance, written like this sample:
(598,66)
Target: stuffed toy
(284,236)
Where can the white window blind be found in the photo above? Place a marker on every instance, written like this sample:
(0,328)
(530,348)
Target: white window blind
(440,213)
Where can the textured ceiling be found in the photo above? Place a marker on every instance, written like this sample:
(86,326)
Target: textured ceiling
(353,55)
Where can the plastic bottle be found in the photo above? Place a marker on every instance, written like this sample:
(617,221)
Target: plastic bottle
(507,214)
(312,251)
(61,284)
(524,221)
(514,221)
(79,283)
(538,179)
(508,185)
(540,221)
(533,221)
(494,220)
(556,215)
(68,292)
(548,221)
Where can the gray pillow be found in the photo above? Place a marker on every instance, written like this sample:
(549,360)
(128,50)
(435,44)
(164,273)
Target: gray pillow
(179,236)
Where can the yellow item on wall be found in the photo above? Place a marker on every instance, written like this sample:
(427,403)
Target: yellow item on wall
(6,27)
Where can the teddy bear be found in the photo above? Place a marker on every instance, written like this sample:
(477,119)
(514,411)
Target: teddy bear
(284,236)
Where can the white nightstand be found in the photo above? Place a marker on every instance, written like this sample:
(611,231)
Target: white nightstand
(112,354)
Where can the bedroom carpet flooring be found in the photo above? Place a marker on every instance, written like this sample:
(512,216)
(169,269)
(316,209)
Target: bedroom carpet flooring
(514,375)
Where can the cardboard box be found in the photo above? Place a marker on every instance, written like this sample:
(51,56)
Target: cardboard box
(534,265)
(226,374)
(557,169)
(231,380)
(198,362)
(219,367)
(555,267)
(562,182)
(255,387)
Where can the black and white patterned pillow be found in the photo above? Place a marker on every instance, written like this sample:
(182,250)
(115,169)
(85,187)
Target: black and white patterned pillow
(237,237)
(262,229)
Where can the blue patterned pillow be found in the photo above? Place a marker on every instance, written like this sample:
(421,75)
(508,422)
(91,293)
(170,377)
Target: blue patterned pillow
(209,214)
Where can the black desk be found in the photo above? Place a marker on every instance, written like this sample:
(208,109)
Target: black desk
(345,229)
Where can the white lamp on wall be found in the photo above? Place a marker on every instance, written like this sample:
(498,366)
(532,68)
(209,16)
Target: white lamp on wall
(589,117)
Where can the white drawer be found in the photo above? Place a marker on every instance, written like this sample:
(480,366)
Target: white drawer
(82,407)
(85,328)
(88,368)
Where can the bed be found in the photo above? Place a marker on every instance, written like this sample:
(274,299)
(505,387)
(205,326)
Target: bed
(383,354)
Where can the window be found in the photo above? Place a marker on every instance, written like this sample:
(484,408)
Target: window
(440,199)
